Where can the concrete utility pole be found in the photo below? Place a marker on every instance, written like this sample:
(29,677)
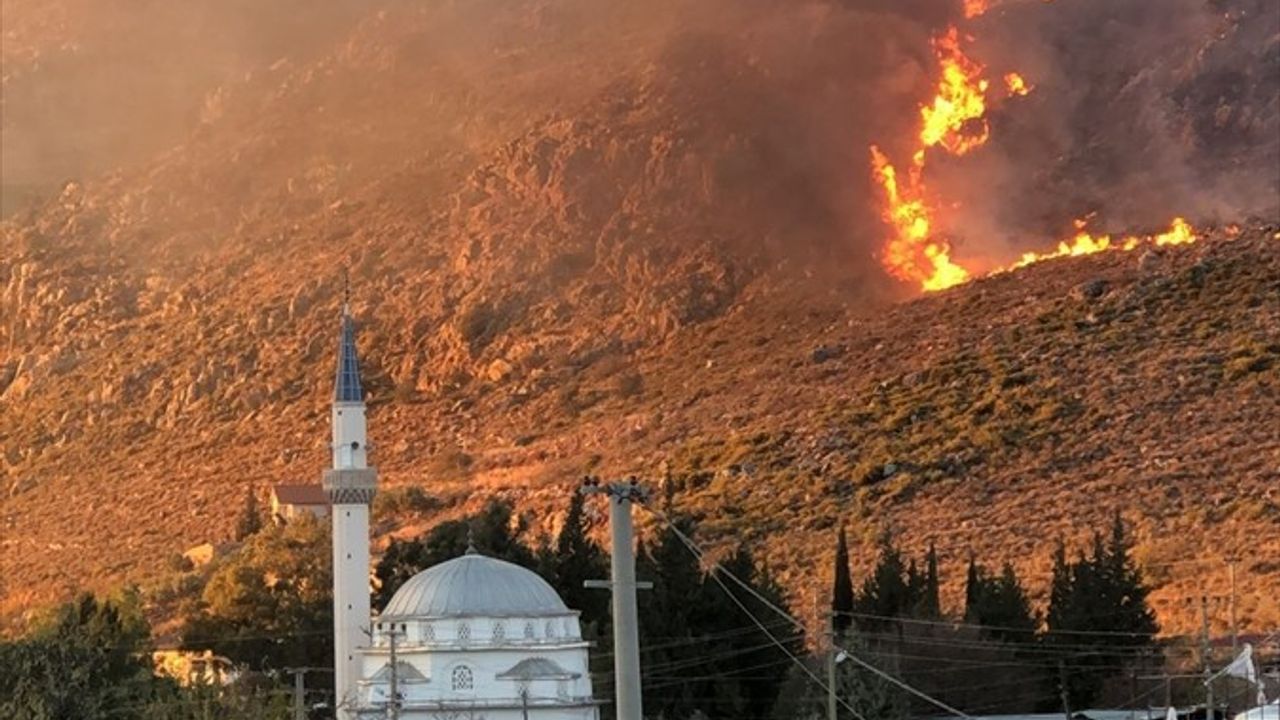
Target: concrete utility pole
(626,635)
(1208,660)
(1235,630)
(393,703)
(831,668)
(1062,684)
(299,693)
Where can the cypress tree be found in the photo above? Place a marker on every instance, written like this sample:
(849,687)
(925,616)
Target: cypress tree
(885,594)
(1099,601)
(842,588)
(931,605)
(250,520)
(573,560)
(972,591)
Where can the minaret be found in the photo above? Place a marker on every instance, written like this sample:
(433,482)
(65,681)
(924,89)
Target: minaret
(350,486)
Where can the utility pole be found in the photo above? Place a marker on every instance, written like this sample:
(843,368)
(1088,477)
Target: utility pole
(831,669)
(1210,712)
(393,704)
(1235,630)
(299,693)
(626,635)
(1062,685)
(1133,695)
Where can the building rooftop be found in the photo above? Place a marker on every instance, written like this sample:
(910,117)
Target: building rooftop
(475,585)
(346,386)
(300,495)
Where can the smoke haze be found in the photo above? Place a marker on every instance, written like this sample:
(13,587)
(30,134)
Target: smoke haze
(1141,110)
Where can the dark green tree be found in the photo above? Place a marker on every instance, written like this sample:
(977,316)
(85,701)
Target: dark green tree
(492,532)
(870,696)
(250,520)
(842,597)
(90,660)
(269,605)
(930,603)
(999,605)
(700,651)
(1098,608)
(886,594)
(572,560)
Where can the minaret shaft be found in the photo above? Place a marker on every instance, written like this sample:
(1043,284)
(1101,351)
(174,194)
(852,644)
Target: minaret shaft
(350,485)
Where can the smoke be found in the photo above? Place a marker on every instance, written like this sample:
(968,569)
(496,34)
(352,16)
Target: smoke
(91,85)
(1141,110)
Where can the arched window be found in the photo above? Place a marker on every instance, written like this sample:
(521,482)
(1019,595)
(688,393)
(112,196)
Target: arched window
(463,679)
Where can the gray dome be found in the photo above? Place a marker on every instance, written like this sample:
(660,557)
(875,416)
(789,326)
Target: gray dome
(475,585)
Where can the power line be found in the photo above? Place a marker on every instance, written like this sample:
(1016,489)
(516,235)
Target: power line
(717,569)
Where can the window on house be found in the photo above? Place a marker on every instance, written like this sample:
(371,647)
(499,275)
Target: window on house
(463,679)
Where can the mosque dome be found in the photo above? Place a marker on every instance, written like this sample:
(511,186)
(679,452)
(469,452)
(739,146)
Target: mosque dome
(475,585)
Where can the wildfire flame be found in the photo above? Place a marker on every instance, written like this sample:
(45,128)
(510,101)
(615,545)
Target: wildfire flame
(974,8)
(911,254)
(1084,243)
(1179,234)
(1016,84)
(955,121)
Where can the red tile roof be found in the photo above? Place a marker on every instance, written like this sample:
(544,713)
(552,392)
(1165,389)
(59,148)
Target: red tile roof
(300,495)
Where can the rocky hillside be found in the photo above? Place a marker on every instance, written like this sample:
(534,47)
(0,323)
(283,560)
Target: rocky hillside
(625,252)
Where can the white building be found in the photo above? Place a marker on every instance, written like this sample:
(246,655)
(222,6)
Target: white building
(350,486)
(479,639)
(476,638)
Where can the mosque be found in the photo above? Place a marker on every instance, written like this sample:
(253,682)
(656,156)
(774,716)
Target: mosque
(474,638)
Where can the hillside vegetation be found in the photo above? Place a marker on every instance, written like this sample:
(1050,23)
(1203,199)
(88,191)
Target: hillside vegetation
(619,253)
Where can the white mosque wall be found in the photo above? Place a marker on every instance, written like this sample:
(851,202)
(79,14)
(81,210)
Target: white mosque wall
(453,664)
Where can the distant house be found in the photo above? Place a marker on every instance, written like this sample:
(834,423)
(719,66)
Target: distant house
(289,502)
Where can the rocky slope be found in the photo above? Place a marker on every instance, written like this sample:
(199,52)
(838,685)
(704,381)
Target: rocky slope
(641,263)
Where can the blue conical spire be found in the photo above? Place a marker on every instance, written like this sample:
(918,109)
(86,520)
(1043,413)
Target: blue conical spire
(346,386)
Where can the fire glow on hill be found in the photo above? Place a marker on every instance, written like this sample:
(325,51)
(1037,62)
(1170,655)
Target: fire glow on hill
(955,122)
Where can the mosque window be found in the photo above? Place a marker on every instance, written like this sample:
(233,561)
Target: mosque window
(551,629)
(562,688)
(528,631)
(463,679)
(464,632)
(428,632)
(499,631)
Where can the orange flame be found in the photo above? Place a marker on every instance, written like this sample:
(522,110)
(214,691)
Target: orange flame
(1180,232)
(1016,84)
(954,120)
(912,254)
(974,8)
